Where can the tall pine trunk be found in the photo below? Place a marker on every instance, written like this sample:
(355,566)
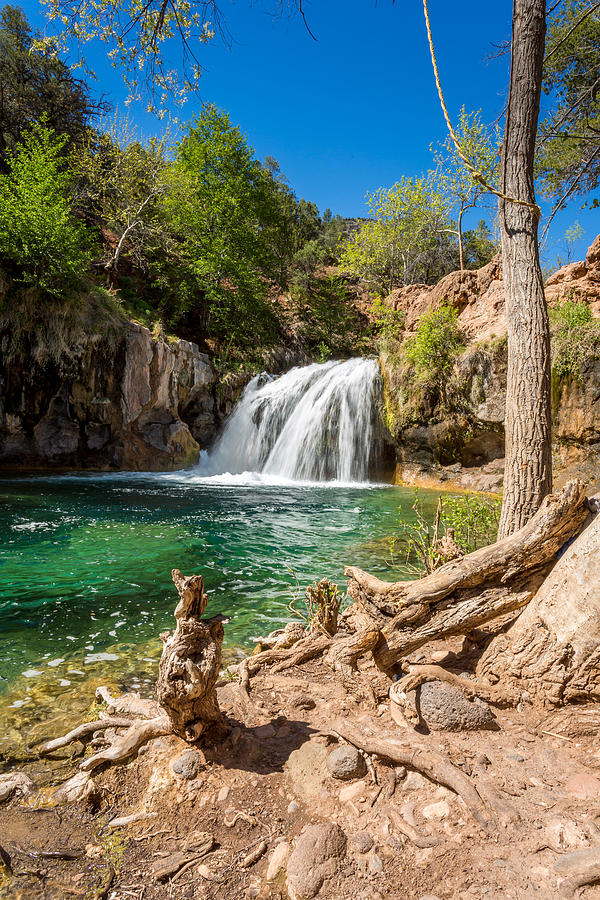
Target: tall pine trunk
(528,475)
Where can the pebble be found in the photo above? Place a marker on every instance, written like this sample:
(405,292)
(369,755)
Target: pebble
(188,764)
(278,860)
(223,794)
(516,756)
(293,807)
(346,763)
(437,810)
(352,791)
(414,781)
(264,731)
(375,864)
(363,841)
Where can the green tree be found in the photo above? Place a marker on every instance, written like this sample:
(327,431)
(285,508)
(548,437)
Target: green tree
(36,84)
(41,242)
(120,182)
(464,190)
(568,158)
(391,247)
(479,246)
(216,205)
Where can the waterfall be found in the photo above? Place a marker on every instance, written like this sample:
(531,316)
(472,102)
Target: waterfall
(315,423)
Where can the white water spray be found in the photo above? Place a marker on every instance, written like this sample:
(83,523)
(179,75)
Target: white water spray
(315,423)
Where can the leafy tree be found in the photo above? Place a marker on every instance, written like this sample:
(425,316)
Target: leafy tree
(569,141)
(216,204)
(391,247)
(37,84)
(41,243)
(463,189)
(120,184)
(434,346)
(479,246)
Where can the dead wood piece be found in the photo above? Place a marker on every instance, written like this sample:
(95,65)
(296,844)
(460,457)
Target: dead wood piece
(130,703)
(450,600)
(309,647)
(229,823)
(138,734)
(254,855)
(191,658)
(86,730)
(165,868)
(428,762)
(343,654)
(422,841)
(122,821)
(419,675)
(579,868)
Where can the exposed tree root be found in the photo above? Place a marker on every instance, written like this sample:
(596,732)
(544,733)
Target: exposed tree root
(125,745)
(83,732)
(428,762)
(302,650)
(419,675)
(580,868)
(422,841)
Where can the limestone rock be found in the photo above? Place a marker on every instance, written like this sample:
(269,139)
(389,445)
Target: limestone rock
(445,708)
(345,763)
(315,860)
(363,841)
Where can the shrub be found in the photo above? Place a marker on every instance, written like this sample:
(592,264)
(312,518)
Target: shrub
(434,346)
(40,240)
(575,337)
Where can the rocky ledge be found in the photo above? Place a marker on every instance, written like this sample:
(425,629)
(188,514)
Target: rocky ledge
(115,399)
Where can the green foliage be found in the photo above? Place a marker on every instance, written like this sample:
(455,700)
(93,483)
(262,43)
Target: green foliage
(389,322)
(434,346)
(575,337)
(481,146)
(41,243)
(479,246)
(37,84)
(470,521)
(568,136)
(391,247)
(473,518)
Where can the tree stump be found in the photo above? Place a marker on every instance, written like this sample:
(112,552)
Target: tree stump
(553,649)
(190,662)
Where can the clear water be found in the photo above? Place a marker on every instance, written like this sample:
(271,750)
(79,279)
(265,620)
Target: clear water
(85,561)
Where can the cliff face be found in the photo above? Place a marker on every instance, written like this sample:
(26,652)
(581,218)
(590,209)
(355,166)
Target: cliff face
(117,398)
(463,441)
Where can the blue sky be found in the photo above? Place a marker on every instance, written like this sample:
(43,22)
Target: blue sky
(356,109)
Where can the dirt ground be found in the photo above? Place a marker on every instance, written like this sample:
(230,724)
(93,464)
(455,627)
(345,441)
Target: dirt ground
(265,780)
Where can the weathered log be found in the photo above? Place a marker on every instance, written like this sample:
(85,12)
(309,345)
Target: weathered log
(553,649)
(467,592)
(190,662)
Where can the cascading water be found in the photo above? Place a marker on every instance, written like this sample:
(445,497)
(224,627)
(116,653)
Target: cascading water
(315,423)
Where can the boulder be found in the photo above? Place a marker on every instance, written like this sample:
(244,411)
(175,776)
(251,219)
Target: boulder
(315,860)
(188,764)
(443,707)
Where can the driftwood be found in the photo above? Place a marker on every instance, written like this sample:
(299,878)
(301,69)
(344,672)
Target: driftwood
(187,698)
(467,592)
(190,662)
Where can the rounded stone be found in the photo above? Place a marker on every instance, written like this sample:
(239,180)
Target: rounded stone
(346,763)
(315,860)
(188,764)
(363,841)
(445,708)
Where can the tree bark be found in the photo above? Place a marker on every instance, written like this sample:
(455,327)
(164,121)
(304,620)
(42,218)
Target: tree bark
(528,473)
(553,649)
(468,592)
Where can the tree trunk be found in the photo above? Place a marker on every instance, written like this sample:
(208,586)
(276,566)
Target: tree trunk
(553,649)
(468,592)
(528,473)
(190,662)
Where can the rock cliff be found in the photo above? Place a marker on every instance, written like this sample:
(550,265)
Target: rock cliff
(464,441)
(113,398)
